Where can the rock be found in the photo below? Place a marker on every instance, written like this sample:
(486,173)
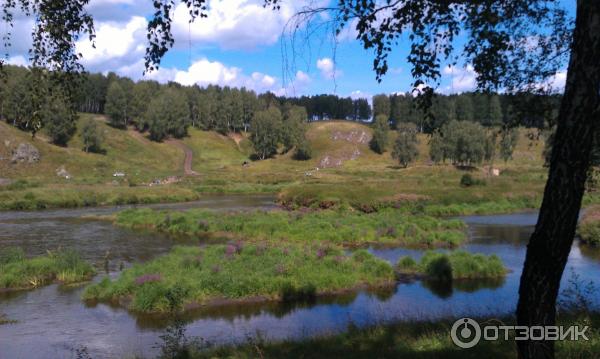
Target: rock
(495,172)
(5,181)
(119,174)
(25,152)
(62,172)
(354,136)
(6,143)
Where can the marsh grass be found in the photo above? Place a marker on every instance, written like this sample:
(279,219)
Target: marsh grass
(343,227)
(453,265)
(63,266)
(216,273)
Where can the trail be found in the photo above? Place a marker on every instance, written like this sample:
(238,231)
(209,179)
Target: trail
(189,155)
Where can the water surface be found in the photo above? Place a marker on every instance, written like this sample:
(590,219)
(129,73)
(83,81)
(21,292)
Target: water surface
(53,321)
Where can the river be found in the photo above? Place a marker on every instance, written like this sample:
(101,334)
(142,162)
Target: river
(53,322)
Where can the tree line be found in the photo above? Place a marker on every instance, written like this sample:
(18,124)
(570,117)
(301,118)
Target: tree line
(168,110)
(487,109)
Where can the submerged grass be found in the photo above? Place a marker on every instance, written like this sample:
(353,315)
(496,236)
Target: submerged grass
(418,340)
(349,228)
(18,272)
(205,275)
(453,265)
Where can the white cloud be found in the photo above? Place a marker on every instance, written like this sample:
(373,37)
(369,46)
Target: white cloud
(461,79)
(117,45)
(296,86)
(204,72)
(18,61)
(233,24)
(327,67)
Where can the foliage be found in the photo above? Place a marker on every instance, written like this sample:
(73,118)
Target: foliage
(405,147)
(462,142)
(266,132)
(303,151)
(588,228)
(454,265)
(381,106)
(236,272)
(379,141)
(508,142)
(293,130)
(64,266)
(168,115)
(91,136)
(116,107)
(59,121)
(340,227)
(467,181)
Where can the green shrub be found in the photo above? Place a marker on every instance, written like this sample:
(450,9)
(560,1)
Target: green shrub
(467,181)
(407,264)
(589,232)
(454,265)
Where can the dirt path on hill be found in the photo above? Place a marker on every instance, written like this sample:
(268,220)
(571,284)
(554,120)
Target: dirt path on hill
(189,155)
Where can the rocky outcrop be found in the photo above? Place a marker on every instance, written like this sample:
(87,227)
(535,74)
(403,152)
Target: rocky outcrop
(62,172)
(354,136)
(25,153)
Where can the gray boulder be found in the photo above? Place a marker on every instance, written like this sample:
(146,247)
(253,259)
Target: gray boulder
(25,152)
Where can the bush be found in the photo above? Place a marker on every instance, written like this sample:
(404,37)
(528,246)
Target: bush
(438,268)
(588,229)
(453,265)
(303,151)
(467,181)
(379,141)
(407,264)
(92,137)
(405,148)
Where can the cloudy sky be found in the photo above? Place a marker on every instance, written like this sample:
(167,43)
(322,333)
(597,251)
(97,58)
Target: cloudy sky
(240,44)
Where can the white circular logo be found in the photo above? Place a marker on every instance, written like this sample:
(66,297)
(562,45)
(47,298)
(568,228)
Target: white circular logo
(465,333)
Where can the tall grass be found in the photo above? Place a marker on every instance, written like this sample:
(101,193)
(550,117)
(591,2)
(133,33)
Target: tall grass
(236,271)
(64,266)
(453,265)
(342,227)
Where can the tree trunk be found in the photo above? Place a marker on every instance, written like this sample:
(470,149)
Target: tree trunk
(550,243)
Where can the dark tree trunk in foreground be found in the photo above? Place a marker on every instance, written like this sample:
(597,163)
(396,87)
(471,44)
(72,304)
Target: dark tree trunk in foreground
(550,243)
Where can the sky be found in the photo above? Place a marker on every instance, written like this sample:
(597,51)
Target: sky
(240,43)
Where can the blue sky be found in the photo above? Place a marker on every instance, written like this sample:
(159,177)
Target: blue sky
(240,44)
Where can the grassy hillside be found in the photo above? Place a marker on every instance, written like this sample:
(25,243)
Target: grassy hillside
(343,170)
(37,185)
(141,159)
